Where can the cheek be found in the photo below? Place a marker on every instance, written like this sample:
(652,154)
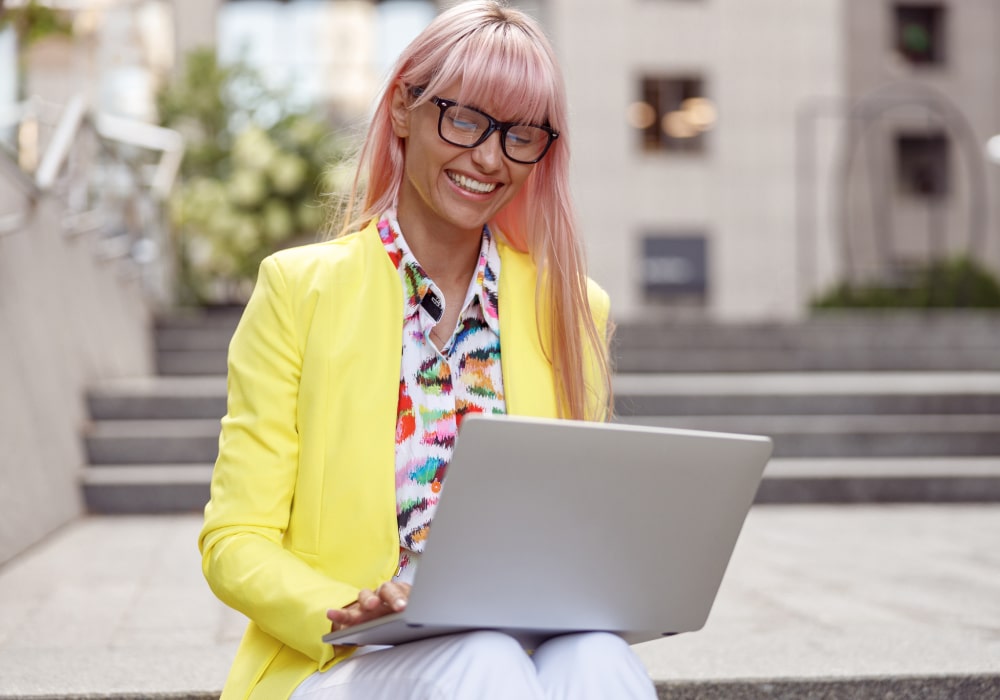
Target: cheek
(520,177)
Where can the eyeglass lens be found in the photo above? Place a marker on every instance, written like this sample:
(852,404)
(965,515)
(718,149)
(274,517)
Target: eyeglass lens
(463,126)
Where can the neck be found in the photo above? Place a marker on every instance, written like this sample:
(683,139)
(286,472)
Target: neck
(448,256)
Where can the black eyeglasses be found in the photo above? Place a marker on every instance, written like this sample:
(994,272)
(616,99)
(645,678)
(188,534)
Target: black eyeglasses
(468,127)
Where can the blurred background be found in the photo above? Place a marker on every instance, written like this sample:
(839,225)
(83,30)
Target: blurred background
(763,186)
(793,204)
(733,160)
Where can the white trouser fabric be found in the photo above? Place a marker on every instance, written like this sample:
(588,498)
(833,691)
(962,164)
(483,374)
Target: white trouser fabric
(487,666)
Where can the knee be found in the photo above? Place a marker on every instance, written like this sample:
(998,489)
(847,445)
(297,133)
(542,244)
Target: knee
(587,647)
(591,665)
(488,643)
(492,653)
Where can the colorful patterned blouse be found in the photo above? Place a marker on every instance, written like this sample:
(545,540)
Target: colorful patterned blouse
(438,387)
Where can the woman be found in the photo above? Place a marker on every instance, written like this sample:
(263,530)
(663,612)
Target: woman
(458,287)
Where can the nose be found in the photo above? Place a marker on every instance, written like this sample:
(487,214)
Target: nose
(489,155)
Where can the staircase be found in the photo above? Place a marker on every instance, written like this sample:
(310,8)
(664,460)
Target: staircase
(869,408)
(152,441)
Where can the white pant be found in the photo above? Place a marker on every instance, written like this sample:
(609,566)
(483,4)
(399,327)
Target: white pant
(487,666)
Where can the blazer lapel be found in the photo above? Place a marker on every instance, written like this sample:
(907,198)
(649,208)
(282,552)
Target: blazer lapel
(527,373)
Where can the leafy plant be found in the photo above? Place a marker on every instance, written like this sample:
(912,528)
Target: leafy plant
(252,177)
(956,283)
(34,21)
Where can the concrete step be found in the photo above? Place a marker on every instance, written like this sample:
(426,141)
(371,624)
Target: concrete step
(887,480)
(192,441)
(807,393)
(642,394)
(194,344)
(158,398)
(200,319)
(735,358)
(172,488)
(146,489)
(196,363)
(830,341)
(855,435)
(209,337)
(152,442)
(931,687)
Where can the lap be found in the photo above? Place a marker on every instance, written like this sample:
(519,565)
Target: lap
(485,665)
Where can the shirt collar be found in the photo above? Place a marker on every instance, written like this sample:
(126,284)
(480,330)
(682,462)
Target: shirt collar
(420,290)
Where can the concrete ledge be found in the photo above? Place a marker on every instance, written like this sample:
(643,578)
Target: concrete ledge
(119,696)
(901,688)
(905,688)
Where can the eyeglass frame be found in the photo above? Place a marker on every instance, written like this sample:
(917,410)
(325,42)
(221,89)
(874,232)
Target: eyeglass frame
(494,125)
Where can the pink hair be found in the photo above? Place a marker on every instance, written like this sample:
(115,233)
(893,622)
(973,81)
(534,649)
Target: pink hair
(497,51)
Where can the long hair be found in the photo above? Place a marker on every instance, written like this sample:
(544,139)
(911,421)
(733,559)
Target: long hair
(492,50)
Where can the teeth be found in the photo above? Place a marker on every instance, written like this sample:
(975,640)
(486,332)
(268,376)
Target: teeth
(468,183)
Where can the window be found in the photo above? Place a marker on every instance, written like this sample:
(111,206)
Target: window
(919,33)
(922,165)
(672,114)
(675,265)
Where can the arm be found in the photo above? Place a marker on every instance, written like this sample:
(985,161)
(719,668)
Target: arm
(253,484)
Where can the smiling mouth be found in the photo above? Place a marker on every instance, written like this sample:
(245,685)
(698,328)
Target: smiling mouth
(475,186)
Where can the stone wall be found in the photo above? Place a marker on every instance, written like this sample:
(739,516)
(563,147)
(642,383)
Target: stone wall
(68,318)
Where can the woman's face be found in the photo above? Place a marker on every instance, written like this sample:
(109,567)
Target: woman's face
(448,189)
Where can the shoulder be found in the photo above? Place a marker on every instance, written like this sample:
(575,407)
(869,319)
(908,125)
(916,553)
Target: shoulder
(318,258)
(344,262)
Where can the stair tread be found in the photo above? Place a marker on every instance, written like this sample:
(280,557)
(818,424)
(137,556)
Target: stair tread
(777,468)
(830,424)
(892,467)
(96,475)
(153,427)
(193,386)
(806,383)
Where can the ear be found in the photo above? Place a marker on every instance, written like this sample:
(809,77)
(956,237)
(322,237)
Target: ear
(399,106)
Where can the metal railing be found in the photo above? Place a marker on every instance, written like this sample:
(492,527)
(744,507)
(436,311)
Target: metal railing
(110,175)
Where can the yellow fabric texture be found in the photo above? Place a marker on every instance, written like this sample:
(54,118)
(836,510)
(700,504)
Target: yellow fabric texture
(303,506)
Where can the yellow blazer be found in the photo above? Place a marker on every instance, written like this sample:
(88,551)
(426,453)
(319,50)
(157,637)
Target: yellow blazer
(303,502)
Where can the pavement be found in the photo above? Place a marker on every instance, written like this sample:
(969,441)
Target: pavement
(819,601)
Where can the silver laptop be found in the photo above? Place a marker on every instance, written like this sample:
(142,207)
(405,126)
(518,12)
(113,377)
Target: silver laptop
(550,527)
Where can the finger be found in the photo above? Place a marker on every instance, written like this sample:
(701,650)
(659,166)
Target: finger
(340,615)
(394,595)
(369,600)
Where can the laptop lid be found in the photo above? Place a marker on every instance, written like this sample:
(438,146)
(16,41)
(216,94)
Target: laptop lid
(548,527)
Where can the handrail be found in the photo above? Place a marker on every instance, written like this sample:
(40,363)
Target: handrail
(151,137)
(59,174)
(74,118)
(55,156)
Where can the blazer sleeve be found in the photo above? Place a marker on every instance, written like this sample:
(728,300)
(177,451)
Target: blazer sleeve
(243,558)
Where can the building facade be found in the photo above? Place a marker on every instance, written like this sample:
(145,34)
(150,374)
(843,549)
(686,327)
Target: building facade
(925,101)
(736,158)
(732,159)
(685,116)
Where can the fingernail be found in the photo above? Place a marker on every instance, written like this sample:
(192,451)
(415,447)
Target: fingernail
(399,604)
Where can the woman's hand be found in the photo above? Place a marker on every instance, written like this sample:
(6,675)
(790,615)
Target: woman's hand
(387,598)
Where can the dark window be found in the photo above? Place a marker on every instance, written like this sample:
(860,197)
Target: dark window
(674,265)
(672,114)
(920,33)
(922,164)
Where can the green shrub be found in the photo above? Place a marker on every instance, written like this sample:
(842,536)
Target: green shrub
(947,284)
(253,177)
